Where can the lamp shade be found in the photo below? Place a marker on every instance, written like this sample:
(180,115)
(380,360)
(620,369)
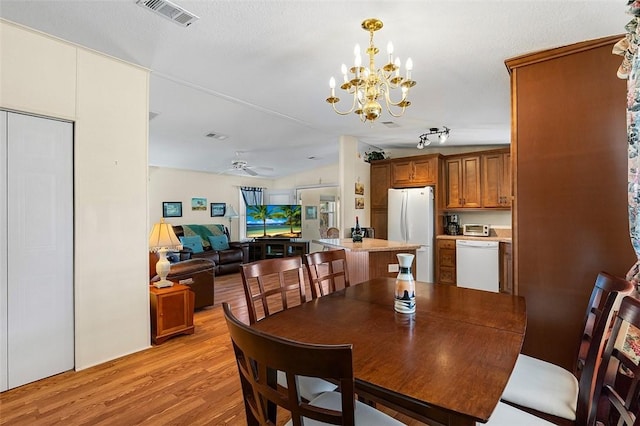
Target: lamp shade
(230,212)
(162,236)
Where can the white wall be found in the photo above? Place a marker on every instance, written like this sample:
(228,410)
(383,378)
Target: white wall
(108,101)
(353,169)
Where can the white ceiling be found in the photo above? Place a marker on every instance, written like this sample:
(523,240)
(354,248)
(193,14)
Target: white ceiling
(258,71)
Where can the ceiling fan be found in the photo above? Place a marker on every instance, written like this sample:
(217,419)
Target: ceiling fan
(243,167)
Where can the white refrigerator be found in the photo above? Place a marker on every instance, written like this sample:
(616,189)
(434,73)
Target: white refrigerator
(411,220)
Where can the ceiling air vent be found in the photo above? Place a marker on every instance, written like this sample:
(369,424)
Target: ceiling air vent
(170,11)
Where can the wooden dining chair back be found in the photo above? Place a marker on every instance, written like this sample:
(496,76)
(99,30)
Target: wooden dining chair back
(554,393)
(259,356)
(605,285)
(617,388)
(272,285)
(328,271)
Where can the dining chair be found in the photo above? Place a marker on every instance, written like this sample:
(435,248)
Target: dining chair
(274,285)
(259,356)
(550,391)
(327,271)
(617,389)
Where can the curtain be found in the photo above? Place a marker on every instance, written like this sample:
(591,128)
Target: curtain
(630,70)
(252,196)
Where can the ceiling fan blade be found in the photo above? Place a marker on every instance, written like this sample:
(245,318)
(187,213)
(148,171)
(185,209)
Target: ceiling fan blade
(249,171)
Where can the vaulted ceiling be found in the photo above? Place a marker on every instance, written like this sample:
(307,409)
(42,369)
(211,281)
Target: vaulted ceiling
(257,72)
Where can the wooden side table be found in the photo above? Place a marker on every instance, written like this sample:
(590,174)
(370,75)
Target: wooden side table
(171,312)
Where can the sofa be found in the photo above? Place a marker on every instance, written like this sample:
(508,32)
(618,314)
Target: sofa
(197,274)
(211,241)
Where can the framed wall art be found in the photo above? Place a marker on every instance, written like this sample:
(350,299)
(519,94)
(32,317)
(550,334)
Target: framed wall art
(198,204)
(171,209)
(218,209)
(359,203)
(311,213)
(359,189)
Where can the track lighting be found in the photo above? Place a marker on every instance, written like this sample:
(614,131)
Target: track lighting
(443,135)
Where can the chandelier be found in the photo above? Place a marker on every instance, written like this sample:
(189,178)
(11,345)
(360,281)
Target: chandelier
(443,135)
(369,86)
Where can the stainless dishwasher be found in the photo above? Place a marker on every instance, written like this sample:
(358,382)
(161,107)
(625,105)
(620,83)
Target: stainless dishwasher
(477,265)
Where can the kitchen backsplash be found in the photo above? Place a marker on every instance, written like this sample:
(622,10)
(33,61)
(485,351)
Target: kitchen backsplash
(497,219)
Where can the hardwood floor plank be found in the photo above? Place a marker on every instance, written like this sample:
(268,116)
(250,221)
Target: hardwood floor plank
(188,380)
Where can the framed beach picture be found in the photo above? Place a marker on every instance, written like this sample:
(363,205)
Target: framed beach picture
(218,209)
(171,209)
(198,204)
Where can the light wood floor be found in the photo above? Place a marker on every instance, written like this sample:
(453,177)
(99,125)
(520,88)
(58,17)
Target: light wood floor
(188,380)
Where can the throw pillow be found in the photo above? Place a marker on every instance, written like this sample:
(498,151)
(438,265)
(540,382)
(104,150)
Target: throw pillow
(193,242)
(219,242)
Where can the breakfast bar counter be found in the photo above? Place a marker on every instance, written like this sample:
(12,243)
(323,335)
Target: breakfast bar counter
(371,258)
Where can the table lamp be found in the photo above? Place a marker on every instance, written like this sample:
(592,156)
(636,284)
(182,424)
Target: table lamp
(161,240)
(230,213)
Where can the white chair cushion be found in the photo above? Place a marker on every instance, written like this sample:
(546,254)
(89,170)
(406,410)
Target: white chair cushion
(542,386)
(506,415)
(308,387)
(365,414)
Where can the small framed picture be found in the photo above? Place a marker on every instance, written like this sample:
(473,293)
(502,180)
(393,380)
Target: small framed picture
(311,213)
(359,203)
(218,209)
(359,189)
(198,203)
(171,209)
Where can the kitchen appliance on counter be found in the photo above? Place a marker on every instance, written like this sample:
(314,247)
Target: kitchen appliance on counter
(411,220)
(451,224)
(478,265)
(475,230)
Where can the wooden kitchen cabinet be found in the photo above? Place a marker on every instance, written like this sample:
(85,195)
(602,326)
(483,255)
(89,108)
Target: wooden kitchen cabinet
(171,312)
(380,181)
(380,184)
(496,180)
(463,182)
(506,268)
(414,171)
(446,261)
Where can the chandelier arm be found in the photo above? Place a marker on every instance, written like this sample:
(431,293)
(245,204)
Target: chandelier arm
(353,104)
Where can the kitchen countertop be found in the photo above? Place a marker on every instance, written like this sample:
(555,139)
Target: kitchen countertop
(367,244)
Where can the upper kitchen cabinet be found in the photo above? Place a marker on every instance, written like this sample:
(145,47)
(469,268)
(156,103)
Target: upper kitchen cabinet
(496,179)
(414,171)
(462,176)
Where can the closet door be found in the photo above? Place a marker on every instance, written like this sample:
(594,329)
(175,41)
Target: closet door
(3,251)
(40,325)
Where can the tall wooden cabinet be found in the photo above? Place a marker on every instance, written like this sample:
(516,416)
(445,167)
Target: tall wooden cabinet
(570,187)
(380,180)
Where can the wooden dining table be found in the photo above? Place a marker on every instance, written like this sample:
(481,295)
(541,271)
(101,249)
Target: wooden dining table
(448,362)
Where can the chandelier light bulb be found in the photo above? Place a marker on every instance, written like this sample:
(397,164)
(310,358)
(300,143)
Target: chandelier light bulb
(332,83)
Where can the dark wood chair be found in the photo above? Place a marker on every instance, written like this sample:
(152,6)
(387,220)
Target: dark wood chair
(327,271)
(556,394)
(271,286)
(261,356)
(617,390)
